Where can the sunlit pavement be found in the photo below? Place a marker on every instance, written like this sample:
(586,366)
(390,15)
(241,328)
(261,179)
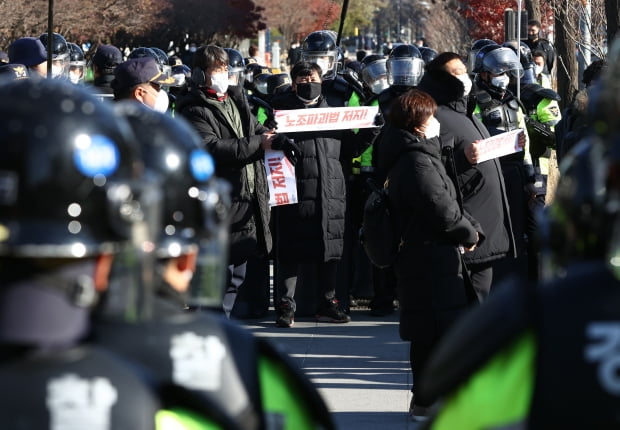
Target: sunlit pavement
(361,368)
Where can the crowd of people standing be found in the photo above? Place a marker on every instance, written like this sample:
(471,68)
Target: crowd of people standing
(471,227)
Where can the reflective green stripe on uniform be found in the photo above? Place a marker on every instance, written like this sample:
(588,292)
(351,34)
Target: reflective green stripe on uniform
(499,394)
(547,112)
(281,400)
(261,115)
(181,419)
(365,159)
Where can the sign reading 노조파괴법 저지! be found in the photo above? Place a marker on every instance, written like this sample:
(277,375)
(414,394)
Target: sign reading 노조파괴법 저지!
(343,118)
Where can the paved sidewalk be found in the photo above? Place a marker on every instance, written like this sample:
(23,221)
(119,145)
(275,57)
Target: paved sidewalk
(361,368)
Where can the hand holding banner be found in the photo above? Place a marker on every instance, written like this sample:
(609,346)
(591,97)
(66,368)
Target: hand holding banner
(499,145)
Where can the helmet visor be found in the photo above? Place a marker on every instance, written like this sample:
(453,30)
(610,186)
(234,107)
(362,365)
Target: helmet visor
(325,60)
(405,71)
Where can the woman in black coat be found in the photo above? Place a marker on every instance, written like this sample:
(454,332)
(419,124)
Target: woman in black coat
(481,184)
(430,285)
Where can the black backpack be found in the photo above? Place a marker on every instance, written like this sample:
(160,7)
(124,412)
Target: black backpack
(380,234)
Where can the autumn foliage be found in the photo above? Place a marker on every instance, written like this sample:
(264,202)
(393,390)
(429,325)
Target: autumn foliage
(486,17)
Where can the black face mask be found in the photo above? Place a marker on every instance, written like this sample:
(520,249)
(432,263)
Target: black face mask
(309,90)
(532,36)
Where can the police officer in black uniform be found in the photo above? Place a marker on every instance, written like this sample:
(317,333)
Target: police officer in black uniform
(60,54)
(231,374)
(68,209)
(500,111)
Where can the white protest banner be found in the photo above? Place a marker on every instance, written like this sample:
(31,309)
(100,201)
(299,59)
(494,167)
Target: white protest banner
(325,118)
(281,179)
(498,145)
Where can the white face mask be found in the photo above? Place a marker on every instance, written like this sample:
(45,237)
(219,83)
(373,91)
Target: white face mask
(432,129)
(378,86)
(324,65)
(500,82)
(57,71)
(464,78)
(161,103)
(219,82)
(538,69)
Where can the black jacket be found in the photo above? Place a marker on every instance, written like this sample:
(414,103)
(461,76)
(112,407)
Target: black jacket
(313,229)
(428,268)
(250,214)
(482,185)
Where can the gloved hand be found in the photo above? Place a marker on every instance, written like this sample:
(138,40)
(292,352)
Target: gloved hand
(271,123)
(379,121)
(282,143)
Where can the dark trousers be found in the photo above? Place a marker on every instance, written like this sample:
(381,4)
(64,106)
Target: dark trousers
(327,278)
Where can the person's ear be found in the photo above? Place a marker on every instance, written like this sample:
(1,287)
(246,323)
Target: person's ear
(187,261)
(103,267)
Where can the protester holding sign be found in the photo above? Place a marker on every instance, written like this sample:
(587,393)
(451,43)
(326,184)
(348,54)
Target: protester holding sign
(482,184)
(237,142)
(312,231)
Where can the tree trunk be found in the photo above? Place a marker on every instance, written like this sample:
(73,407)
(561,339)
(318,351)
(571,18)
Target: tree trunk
(566,62)
(613,20)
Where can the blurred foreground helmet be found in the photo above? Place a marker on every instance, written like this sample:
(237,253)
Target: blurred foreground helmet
(475,47)
(69,172)
(236,67)
(579,222)
(195,204)
(501,60)
(405,66)
(320,47)
(60,55)
(77,64)
(374,73)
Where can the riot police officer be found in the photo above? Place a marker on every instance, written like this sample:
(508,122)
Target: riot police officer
(69,210)
(234,375)
(60,55)
(77,64)
(499,111)
(405,68)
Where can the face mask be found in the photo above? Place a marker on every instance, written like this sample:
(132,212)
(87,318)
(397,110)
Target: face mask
(538,69)
(378,86)
(532,36)
(161,103)
(464,78)
(324,65)
(309,91)
(56,71)
(432,129)
(219,82)
(74,77)
(500,82)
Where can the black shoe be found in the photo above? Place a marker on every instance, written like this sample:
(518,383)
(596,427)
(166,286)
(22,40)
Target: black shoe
(286,314)
(330,313)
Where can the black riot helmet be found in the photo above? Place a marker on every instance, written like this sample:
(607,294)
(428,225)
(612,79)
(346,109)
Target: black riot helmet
(475,47)
(77,64)
(70,171)
(236,67)
(60,55)
(501,60)
(195,204)
(428,54)
(405,66)
(579,224)
(162,60)
(477,63)
(525,57)
(320,47)
(374,73)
